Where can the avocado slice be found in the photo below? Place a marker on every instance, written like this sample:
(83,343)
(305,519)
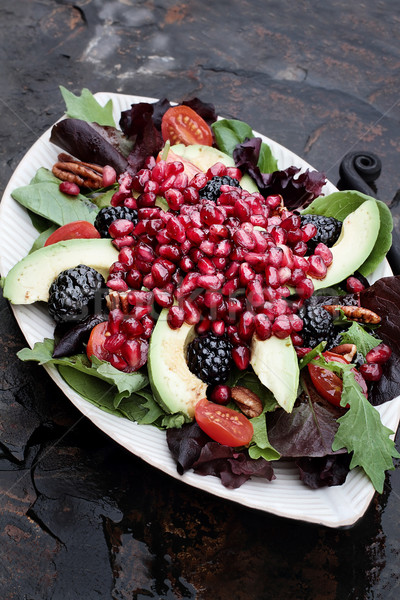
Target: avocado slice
(174,386)
(359,233)
(204,157)
(276,365)
(30,279)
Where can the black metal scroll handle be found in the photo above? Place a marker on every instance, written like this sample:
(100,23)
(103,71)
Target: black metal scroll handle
(359,171)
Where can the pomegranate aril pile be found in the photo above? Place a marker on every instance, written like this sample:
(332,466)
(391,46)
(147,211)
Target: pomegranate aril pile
(225,266)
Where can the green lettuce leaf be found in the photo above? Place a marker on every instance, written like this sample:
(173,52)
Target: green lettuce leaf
(362,433)
(230,132)
(86,108)
(357,335)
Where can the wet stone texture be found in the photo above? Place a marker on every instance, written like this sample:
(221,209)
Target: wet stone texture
(79,516)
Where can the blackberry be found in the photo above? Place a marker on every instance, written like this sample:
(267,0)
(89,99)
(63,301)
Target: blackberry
(109,214)
(328,230)
(72,293)
(209,358)
(317,325)
(212,189)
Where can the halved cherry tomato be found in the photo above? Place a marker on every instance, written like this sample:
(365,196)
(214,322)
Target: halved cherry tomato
(222,424)
(95,346)
(182,125)
(73,231)
(328,384)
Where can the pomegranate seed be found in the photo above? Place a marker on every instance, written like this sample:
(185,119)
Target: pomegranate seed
(148,326)
(120,228)
(147,199)
(309,231)
(132,327)
(263,327)
(144,252)
(296,323)
(371,371)
(163,298)
(151,186)
(130,203)
(123,242)
(186,264)
(118,267)
(325,253)
(191,195)
(192,313)
(296,338)
(176,317)
(220,394)
(159,171)
(285,275)
(242,210)
(246,325)
(219,169)
(203,326)
(211,215)
(115,318)
(230,287)
(281,327)
(69,188)
(300,262)
(257,260)
(305,288)
(297,275)
(140,298)
(218,327)
(218,231)
(118,362)
(220,262)
(234,172)
(301,352)
(380,354)
(275,256)
(207,247)
(188,285)
(255,294)
(109,176)
(354,285)
(198,181)
(176,230)
(273,201)
(181,181)
(241,357)
(272,276)
(118,285)
(135,353)
(162,271)
(317,268)
(212,300)
(209,282)
(291,222)
(174,198)
(134,279)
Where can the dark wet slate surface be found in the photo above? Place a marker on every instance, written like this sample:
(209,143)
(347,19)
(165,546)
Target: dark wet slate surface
(79,516)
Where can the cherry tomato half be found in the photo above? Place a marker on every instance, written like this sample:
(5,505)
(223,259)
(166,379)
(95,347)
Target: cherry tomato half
(328,384)
(72,231)
(222,424)
(182,125)
(95,346)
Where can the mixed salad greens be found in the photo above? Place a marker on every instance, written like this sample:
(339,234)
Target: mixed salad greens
(324,440)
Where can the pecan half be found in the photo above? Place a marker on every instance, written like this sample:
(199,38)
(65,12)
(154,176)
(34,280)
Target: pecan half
(75,171)
(118,300)
(348,351)
(354,313)
(248,402)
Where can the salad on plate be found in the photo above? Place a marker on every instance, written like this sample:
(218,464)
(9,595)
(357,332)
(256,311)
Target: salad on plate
(189,283)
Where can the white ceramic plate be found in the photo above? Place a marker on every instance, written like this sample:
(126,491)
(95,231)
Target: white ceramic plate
(286,496)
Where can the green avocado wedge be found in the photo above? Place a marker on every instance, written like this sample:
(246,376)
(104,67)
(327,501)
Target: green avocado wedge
(276,365)
(174,386)
(30,279)
(340,204)
(357,239)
